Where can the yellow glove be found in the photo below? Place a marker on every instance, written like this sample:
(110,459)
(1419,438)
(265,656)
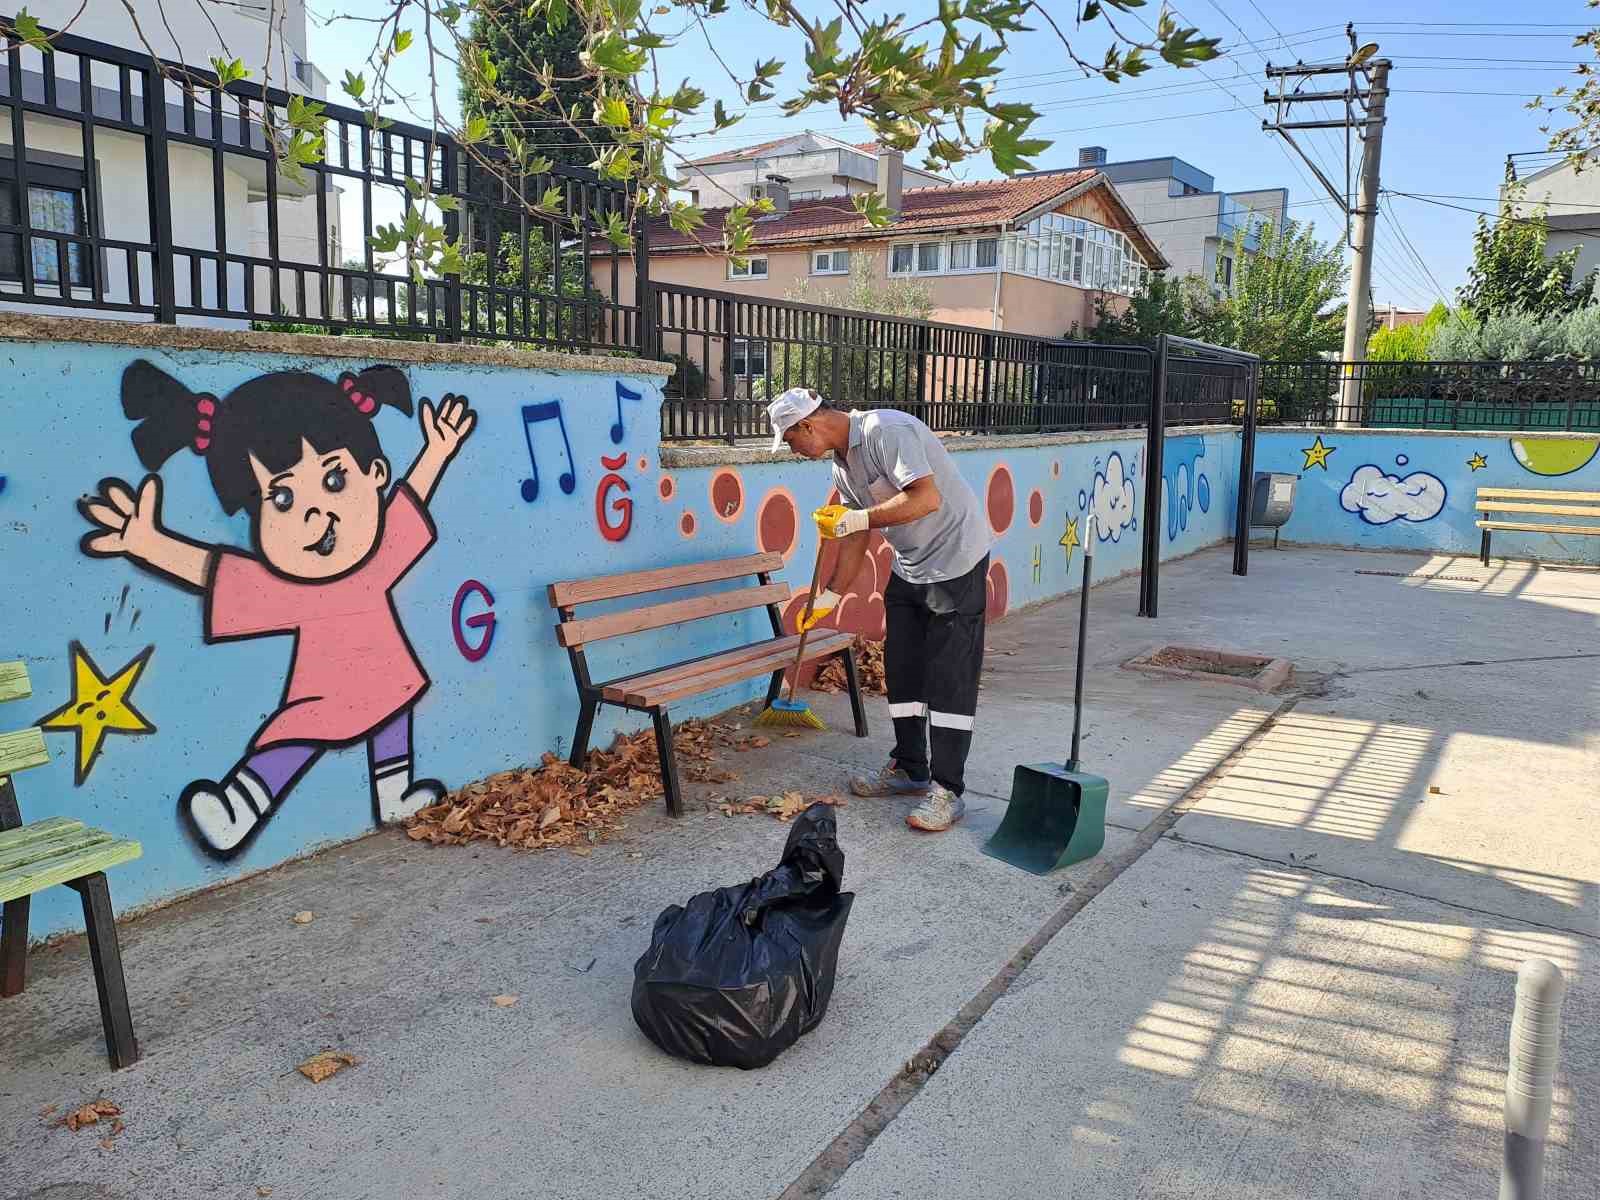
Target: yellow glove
(837,521)
(827,600)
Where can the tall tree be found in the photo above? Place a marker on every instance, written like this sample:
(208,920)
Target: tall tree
(1285,299)
(1512,269)
(539,92)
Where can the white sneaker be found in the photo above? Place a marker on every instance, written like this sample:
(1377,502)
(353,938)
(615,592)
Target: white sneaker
(225,814)
(942,809)
(888,780)
(395,797)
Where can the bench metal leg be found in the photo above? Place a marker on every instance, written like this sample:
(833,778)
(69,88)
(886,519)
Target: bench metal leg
(14,947)
(588,706)
(775,687)
(669,765)
(1483,554)
(857,708)
(106,955)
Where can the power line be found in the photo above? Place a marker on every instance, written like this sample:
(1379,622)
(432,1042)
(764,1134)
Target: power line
(1481,213)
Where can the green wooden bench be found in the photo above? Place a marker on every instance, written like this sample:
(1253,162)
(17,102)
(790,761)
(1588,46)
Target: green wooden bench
(36,855)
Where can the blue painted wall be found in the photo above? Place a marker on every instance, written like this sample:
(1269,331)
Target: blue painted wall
(63,430)
(1416,491)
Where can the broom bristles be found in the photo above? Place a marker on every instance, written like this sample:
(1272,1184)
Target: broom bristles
(790,713)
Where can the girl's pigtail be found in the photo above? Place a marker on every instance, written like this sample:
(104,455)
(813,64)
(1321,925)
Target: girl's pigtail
(170,416)
(375,387)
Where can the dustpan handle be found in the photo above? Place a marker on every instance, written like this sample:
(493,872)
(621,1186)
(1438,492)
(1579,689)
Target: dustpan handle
(1083,629)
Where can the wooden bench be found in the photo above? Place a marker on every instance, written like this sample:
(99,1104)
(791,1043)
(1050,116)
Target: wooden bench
(654,690)
(38,854)
(1525,502)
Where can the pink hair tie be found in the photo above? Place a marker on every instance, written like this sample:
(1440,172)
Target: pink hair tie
(365,404)
(205,407)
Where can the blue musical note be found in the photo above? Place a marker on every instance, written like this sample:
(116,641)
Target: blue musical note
(624,392)
(550,410)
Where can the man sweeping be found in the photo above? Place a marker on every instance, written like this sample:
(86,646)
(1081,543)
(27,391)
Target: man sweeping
(896,477)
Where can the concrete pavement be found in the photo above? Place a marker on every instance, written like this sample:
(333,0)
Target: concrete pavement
(1302,989)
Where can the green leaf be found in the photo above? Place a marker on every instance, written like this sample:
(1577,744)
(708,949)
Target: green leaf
(229,71)
(612,112)
(414,186)
(402,39)
(354,85)
(721,118)
(612,55)
(25,26)
(550,202)
(476,130)
(450,13)
(447,203)
(486,66)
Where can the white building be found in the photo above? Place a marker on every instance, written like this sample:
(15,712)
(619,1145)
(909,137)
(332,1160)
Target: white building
(1193,223)
(112,198)
(815,166)
(1570,200)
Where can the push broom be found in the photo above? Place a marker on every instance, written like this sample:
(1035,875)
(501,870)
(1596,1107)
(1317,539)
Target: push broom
(792,713)
(1057,814)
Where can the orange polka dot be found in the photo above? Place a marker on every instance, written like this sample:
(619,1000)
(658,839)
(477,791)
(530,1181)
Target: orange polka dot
(999,591)
(667,487)
(778,522)
(686,524)
(727,496)
(1000,498)
(1035,507)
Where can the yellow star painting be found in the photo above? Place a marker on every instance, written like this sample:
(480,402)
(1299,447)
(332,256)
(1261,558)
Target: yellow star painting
(99,706)
(1069,539)
(1477,462)
(1317,455)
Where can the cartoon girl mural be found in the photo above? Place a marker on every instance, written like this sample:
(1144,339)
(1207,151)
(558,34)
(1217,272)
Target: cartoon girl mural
(300,454)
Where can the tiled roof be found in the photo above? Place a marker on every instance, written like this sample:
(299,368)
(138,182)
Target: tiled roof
(739,155)
(925,209)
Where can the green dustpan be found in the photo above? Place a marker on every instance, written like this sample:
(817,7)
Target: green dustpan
(1057,814)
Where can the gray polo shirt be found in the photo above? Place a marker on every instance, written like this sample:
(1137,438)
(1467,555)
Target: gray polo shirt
(891,450)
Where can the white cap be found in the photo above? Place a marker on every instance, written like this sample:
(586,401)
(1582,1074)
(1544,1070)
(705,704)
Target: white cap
(790,409)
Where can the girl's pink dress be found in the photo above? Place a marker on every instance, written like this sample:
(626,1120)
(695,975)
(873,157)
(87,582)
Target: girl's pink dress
(353,668)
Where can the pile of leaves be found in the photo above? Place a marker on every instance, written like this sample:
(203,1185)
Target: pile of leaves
(869,669)
(785,807)
(556,804)
(90,1114)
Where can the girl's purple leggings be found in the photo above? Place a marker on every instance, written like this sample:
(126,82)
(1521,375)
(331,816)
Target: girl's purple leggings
(279,766)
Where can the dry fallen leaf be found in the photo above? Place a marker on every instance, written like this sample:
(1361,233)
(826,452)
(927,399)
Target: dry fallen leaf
(117,1126)
(107,1144)
(504,1001)
(583,851)
(263,1191)
(303,918)
(330,1062)
(47,1110)
(90,1114)
(869,671)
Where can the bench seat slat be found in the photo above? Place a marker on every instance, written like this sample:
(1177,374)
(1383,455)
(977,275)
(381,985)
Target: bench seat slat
(1531,527)
(1549,510)
(22,749)
(663,693)
(674,612)
(36,876)
(1535,494)
(14,683)
(65,842)
(570,592)
(617,690)
(34,830)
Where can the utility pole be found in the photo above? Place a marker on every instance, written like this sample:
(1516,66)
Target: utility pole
(1364,96)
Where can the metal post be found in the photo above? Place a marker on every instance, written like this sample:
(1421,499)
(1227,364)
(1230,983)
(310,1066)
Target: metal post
(155,152)
(1083,634)
(1154,464)
(1247,474)
(643,293)
(449,184)
(730,399)
(1530,1082)
(1359,312)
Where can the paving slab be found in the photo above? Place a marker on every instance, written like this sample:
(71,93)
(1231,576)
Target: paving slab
(1212,1026)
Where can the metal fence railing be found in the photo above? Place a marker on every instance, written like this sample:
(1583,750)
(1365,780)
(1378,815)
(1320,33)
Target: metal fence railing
(1433,395)
(734,353)
(142,188)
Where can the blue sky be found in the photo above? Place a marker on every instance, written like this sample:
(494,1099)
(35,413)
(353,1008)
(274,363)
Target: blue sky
(1461,76)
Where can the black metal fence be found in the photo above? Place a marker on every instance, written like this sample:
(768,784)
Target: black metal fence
(145,189)
(1433,395)
(735,353)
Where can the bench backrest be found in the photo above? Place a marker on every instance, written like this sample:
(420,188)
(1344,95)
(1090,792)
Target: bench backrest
(20,750)
(574,632)
(1539,500)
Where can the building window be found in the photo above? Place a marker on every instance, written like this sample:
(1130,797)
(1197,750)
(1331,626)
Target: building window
(808,194)
(961,256)
(751,268)
(830,262)
(987,254)
(749,358)
(930,257)
(1225,270)
(902,259)
(55,205)
(758,191)
(694,196)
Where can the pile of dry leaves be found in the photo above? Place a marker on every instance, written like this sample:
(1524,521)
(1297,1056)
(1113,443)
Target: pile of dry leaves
(786,807)
(869,669)
(555,804)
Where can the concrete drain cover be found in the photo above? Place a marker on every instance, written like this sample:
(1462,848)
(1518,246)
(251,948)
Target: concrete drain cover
(1253,671)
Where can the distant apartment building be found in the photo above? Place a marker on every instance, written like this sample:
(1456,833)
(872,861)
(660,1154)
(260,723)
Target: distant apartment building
(814,166)
(1180,208)
(1570,201)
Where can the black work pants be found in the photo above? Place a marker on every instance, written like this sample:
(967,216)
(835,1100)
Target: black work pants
(932,657)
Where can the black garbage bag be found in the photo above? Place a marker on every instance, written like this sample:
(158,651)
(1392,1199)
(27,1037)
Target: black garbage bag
(736,976)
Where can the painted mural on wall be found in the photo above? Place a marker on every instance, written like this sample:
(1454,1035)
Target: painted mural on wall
(1184,486)
(1418,491)
(331,538)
